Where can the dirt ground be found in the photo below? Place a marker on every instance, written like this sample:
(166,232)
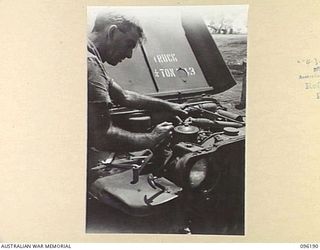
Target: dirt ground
(234,51)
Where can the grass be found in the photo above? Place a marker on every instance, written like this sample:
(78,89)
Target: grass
(234,51)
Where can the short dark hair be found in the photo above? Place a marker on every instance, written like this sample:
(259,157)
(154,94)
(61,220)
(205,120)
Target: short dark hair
(123,23)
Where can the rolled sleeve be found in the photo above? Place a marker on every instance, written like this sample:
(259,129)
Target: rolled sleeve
(98,83)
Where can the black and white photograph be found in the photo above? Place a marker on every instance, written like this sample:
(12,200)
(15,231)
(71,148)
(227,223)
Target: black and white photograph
(166,119)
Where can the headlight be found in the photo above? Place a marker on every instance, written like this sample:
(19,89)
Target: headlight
(198,173)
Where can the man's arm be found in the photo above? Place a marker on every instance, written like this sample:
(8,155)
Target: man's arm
(134,100)
(122,140)
(105,136)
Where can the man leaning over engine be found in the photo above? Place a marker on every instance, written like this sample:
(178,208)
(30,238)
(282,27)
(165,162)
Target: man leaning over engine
(112,40)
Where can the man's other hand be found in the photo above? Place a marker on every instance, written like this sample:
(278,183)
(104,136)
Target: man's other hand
(162,131)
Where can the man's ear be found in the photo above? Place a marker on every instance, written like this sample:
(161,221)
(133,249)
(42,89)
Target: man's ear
(110,31)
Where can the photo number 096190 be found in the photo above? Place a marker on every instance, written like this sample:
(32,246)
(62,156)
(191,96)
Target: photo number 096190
(166,119)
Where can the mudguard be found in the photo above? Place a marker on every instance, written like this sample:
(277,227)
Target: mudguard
(137,199)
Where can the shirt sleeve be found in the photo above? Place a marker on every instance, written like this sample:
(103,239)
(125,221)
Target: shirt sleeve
(98,83)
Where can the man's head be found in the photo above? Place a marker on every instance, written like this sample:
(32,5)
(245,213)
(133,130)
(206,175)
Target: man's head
(115,36)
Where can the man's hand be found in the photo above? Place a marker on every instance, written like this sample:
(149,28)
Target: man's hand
(161,131)
(178,109)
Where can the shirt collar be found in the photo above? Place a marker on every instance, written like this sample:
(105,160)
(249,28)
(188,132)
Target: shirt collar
(93,49)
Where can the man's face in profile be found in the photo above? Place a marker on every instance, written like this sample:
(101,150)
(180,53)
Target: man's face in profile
(121,46)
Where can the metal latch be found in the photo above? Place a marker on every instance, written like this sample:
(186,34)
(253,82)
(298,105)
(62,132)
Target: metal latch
(152,180)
